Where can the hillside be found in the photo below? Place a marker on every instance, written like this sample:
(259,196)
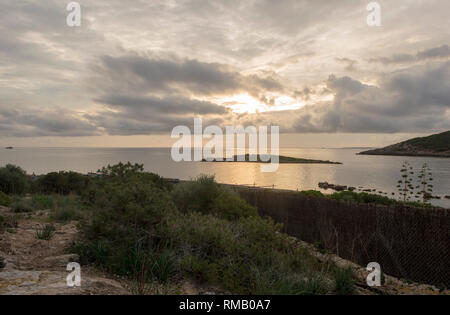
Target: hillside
(437,145)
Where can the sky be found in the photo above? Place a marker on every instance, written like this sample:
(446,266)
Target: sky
(134,70)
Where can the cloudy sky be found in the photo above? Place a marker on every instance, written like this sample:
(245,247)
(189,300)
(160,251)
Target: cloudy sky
(136,69)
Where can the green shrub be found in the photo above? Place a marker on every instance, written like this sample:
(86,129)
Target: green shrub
(66,208)
(22,206)
(5,200)
(41,202)
(204,195)
(62,183)
(344,281)
(312,193)
(45,232)
(200,230)
(274,283)
(13,180)
(364,197)
(128,213)
(240,255)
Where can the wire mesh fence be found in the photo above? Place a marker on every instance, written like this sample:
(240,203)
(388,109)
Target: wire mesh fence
(409,243)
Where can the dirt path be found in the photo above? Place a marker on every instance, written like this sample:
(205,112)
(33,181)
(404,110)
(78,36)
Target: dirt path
(33,266)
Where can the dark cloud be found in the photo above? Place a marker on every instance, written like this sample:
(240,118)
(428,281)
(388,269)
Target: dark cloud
(134,73)
(122,123)
(441,52)
(26,122)
(144,95)
(190,53)
(148,106)
(166,75)
(413,100)
(350,64)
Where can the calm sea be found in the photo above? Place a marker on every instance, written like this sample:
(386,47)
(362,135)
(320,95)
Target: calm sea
(375,172)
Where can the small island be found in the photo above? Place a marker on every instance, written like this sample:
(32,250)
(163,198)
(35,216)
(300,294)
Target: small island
(437,145)
(282,160)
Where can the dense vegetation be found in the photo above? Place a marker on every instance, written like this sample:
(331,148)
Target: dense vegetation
(363,197)
(13,180)
(200,230)
(135,224)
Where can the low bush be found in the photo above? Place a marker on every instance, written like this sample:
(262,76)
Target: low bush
(126,220)
(13,180)
(344,281)
(364,197)
(245,256)
(21,205)
(5,200)
(42,202)
(200,230)
(66,208)
(62,183)
(312,193)
(45,232)
(204,195)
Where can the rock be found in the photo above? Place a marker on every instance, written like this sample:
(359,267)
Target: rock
(324,185)
(351,188)
(340,187)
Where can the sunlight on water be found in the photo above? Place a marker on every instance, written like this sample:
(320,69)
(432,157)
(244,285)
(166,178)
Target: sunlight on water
(375,172)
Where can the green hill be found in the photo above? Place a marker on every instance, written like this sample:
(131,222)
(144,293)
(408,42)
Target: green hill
(437,145)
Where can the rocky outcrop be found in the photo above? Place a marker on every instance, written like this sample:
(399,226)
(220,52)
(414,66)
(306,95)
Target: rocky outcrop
(326,185)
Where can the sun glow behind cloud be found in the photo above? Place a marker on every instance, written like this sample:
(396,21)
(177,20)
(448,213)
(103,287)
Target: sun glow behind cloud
(245,103)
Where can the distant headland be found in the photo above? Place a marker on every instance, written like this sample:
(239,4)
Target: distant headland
(437,145)
(282,160)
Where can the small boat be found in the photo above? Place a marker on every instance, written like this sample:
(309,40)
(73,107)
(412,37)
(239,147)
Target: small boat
(9,148)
